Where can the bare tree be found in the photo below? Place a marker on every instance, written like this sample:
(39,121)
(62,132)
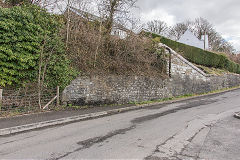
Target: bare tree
(114,14)
(179,29)
(157,26)
(115,11)
(78,4)
(201,27)
(216,41)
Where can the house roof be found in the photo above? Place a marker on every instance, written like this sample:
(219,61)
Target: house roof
(93,17)
(84,14)
(190,39)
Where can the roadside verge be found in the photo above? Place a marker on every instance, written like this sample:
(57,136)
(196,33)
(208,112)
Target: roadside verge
(86,116)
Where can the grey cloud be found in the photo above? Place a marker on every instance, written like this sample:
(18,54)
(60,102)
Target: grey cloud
(223,14)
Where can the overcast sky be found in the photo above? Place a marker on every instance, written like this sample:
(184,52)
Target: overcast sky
(223,14)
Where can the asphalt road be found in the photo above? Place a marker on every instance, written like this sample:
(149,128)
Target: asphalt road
(201,128)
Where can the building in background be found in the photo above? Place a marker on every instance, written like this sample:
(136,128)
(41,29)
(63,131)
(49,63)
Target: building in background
(117,30)
(190,39)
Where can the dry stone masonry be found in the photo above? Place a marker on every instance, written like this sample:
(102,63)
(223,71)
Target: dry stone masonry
(115,89)
(186,79)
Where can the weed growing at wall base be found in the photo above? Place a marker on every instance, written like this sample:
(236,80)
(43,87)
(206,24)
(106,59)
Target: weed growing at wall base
(184,96)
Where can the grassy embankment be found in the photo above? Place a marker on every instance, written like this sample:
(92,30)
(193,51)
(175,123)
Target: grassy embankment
(208,60)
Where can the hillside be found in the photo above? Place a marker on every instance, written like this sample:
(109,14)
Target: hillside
(34,49)
(199,56)
(93,52)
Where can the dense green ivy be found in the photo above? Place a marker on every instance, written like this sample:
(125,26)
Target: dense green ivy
(24,32)
(200,56)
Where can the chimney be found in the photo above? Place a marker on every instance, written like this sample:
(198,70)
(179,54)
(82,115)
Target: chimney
(204,38)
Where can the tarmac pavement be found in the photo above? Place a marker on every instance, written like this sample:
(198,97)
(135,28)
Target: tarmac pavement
(23,123)
(181,130)
(222,141)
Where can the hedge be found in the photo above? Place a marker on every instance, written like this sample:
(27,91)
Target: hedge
(200,56)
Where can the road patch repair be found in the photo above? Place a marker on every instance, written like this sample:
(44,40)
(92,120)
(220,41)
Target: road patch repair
(82,115)
(196,130)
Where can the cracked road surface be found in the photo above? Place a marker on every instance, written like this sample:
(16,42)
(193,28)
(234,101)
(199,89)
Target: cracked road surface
(184,130)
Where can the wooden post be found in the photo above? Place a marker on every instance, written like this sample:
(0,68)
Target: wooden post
(50,102)
(1,91)
(58,97)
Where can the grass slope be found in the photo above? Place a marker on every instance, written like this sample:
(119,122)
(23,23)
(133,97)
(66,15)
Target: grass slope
(200,56)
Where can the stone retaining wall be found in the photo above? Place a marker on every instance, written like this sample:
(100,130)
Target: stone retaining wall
(119,89)
(186,79)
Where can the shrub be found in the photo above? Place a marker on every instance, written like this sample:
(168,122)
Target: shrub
(94,55)
(26,32)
